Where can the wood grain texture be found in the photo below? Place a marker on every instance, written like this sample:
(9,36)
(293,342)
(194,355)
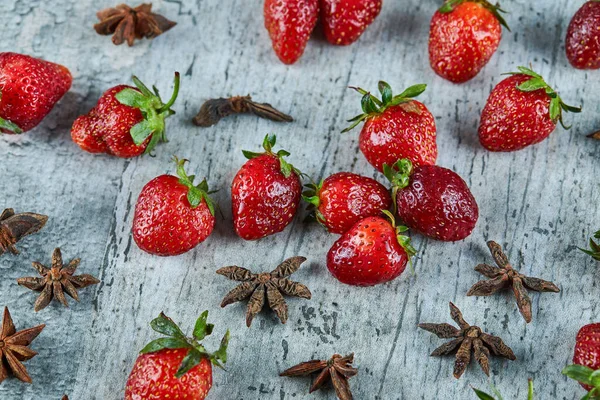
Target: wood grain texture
(539,204)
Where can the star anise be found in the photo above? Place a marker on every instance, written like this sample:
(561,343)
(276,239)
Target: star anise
(595,135)
(127,24)
(213,110)
(14,348)
(465,339)
(14,227)
(272,285)
(506,276)
(57,280)
(338,369)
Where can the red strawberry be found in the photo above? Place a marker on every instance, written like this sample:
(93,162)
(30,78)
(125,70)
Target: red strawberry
(396,127)
(432,200)
(343,199)
(345,20)
(172,216)
(586,360)
(175,367)
(583,37)
(463,36)
(373,251)
(290,23)
(265,193)
(126,122)
(522,110)
(29,88)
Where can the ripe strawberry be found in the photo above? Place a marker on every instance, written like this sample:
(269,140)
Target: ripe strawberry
(583,37)
(395,127)
(522,110)
(126,122)
(265,193)
(29,88)
(373,251)
(345,20)
(172,216)
(290,23)
(463,36)
(175,367)
(432,200)
(343,199)
(586,360)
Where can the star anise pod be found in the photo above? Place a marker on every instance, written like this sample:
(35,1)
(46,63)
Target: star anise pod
(14,348)
(465,339)
(57,280)
(337,369)
(272,285)
(595,135)
(14,227)
(127,24)
(213,110)
(504,276)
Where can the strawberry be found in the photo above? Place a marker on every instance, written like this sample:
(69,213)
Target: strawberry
(373,251)
(29,89)
(172,216)
(583,37)
(265,193)
(586,360)
(522,110)
(345,20)
(343,199)
(175,367)
(432,200)
(463,36)
(290,23)
(395,127)
(126,122)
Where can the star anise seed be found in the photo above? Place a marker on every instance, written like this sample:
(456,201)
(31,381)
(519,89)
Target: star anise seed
(213,110)
(14,227)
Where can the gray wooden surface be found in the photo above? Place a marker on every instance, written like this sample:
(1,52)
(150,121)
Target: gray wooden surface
(540,202)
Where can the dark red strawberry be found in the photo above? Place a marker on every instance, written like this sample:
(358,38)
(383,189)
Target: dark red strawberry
(126,122)
(583,37)
(172,216)
(373,251)
(265,193)
(522,110)
(175,366)
(345,20)
(396,127)
(463,36)
(586,360)
(433,200)
(343,199)
(290,23)
(29,89)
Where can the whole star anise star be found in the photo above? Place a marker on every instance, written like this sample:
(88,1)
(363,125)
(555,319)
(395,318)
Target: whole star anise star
(338,369)
(272,285)
(465,339)
(57,280)
(14,348)
(506,276)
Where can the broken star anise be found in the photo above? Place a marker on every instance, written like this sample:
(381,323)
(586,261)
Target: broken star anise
(14,227)
(506,276)
(465,339)
(57,280)
(14,348)
(213,110)
(272,285)
(337,369)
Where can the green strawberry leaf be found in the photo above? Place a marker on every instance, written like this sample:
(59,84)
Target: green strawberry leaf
(532,85)
(141,131)
(202,328)
(192,358)
(413,91)
(164,343)
(386,92)
(221,354)
(132,98)
(166,326)
(579,372)
(482,395)
(555,110)
(10,126)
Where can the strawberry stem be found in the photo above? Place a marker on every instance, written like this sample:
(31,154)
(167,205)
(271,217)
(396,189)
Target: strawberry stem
(174,95)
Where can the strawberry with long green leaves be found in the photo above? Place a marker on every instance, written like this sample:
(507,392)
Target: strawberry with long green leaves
(176,366)
(594,249)
(395,127)
(497,396)
(126,122)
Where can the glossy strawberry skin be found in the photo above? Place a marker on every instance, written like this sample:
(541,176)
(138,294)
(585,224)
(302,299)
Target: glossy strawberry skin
(153,377)
(583,37)
(30,88)
(164,222)
(368,254)
(290,23)
(512,120)
(462,41)
(345,20)
(587,348)
(437,203)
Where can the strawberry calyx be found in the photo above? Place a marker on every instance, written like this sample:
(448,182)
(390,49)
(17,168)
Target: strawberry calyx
(153,109)
(399,175)
(196,194)
(594,250)
(175,339)
(585,375)
(373,106)
(268,144)
(311,196)
(403,240)
(485,396)
(451,5)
